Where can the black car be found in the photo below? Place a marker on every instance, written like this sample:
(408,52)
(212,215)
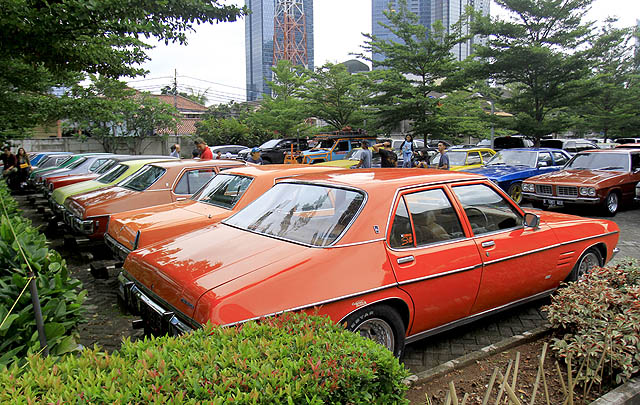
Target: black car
(274,150)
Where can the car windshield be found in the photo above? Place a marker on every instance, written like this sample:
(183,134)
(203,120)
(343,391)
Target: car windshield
(456,158)
(514,158)
(601,161)
(144,178)
(106,166)
(303,213)
(325,144)
(224,190)
(113,174)
(270,144)
(77,163)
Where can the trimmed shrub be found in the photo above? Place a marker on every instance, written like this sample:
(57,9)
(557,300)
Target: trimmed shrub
(60,298)
(600,319)
(289,359)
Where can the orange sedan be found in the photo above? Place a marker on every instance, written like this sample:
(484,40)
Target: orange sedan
(223,196)
(396,255)
(154,184)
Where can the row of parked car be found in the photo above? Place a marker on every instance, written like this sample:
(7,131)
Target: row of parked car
(395,255)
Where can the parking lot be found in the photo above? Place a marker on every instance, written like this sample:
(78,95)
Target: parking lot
(106,325)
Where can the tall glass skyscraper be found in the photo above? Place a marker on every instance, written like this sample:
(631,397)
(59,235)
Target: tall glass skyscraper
(259,47)
(428,12)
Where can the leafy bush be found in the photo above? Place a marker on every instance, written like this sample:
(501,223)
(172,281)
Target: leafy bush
(600,317)
(59,297)
(293,358)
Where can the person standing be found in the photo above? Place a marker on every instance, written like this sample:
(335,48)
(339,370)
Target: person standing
(443,164)
(364,156)
(205,152)
(24,166)
(175,150)
(388,158)
(9,165)
(407,151)
(254,157)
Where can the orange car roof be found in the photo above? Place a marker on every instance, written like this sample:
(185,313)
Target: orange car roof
(197,163)
(280,170)
(368,179)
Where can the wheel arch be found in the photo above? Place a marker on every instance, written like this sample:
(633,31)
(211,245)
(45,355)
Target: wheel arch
(397,304)
(601,247)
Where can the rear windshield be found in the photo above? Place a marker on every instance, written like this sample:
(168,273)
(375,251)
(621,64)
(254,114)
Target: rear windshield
(601,161)
(224,190)
(143,178)
(309,214)
(113,174)
(106,166)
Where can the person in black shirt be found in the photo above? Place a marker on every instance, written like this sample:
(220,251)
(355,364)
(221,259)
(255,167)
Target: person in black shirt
(388,158)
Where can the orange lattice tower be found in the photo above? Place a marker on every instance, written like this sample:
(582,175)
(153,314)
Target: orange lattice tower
(290,33)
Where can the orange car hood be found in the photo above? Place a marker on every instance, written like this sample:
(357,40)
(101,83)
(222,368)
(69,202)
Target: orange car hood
(184,268)
(577,177)
(167,219)
(102,201)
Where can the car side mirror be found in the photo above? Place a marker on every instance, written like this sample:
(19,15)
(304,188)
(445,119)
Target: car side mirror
(531,220)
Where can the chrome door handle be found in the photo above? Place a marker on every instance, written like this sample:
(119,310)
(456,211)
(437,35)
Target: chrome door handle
(181,198)
(488,244)
(406,259)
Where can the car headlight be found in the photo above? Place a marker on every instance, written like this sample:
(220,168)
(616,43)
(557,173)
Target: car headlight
(585,191)
(528,187)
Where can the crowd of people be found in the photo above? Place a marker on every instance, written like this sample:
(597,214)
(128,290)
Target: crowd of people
(411,156)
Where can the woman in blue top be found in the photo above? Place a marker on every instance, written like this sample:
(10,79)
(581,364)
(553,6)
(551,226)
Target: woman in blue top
(407,151)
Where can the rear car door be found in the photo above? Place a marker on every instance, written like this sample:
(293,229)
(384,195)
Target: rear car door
(435,262)
(518,262)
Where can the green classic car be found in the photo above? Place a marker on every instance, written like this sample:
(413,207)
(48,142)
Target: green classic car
(110,178)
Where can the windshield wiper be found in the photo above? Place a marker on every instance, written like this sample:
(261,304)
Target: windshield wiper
(611,168)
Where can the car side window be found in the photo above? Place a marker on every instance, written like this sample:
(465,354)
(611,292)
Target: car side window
(343,146)
(559,159)
(193,180)
(544,159)
(434,218)
(95,165)
(486,156)
(473,158)
(487,210)
(635,162)
(401,235)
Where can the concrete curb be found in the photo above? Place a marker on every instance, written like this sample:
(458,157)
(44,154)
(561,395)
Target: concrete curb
(483,353)
(628,394)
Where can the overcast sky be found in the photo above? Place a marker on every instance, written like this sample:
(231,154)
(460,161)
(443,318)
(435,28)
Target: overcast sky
(214,59)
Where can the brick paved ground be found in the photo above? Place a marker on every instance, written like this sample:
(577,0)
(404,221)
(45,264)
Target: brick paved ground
(107,325)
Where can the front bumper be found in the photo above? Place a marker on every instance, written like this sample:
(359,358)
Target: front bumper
(56,208)
(571,200)
(119,250)
(79,225)
(157,320)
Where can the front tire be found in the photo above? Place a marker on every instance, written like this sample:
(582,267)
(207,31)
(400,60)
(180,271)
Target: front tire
(587,262)
(515,192)
(380,323)
(611,204)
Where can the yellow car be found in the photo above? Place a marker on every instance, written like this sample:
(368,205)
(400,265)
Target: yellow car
(464,159)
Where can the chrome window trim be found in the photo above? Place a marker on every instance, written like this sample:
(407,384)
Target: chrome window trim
(317,184)
(474,317)
(427,246)
(359,243)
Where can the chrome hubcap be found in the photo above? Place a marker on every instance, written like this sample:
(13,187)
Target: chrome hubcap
(379,331)
(612,202)
(588,262)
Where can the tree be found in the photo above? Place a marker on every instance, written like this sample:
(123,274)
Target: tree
(109,111)
(540,54)
(49,43)
(226,131)
(609,97)
(337,96)
(197,96)
(283,113)
(461,114)
(414,72)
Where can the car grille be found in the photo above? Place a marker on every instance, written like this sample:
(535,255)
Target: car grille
(566,191)
(543,189)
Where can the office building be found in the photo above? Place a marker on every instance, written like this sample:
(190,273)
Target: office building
(269,20)
(428,12)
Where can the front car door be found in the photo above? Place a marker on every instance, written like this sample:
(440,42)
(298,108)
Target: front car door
(190,182)
(340,149)
(434,260)
(518,262)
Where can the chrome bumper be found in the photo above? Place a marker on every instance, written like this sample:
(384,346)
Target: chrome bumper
(573,200)
(156,319)
(79,225)
(614,253)
(119,250)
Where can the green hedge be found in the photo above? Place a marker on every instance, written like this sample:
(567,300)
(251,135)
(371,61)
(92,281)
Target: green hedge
(290,359)
(599,319)
(60,298)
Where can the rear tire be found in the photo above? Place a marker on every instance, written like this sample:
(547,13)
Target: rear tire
(380,323)
(587,262)
(515,192)
(611,204)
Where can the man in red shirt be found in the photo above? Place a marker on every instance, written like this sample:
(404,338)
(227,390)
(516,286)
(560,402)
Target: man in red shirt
(205,152)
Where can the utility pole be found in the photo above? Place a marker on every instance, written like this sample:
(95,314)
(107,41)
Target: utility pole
(175,103)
